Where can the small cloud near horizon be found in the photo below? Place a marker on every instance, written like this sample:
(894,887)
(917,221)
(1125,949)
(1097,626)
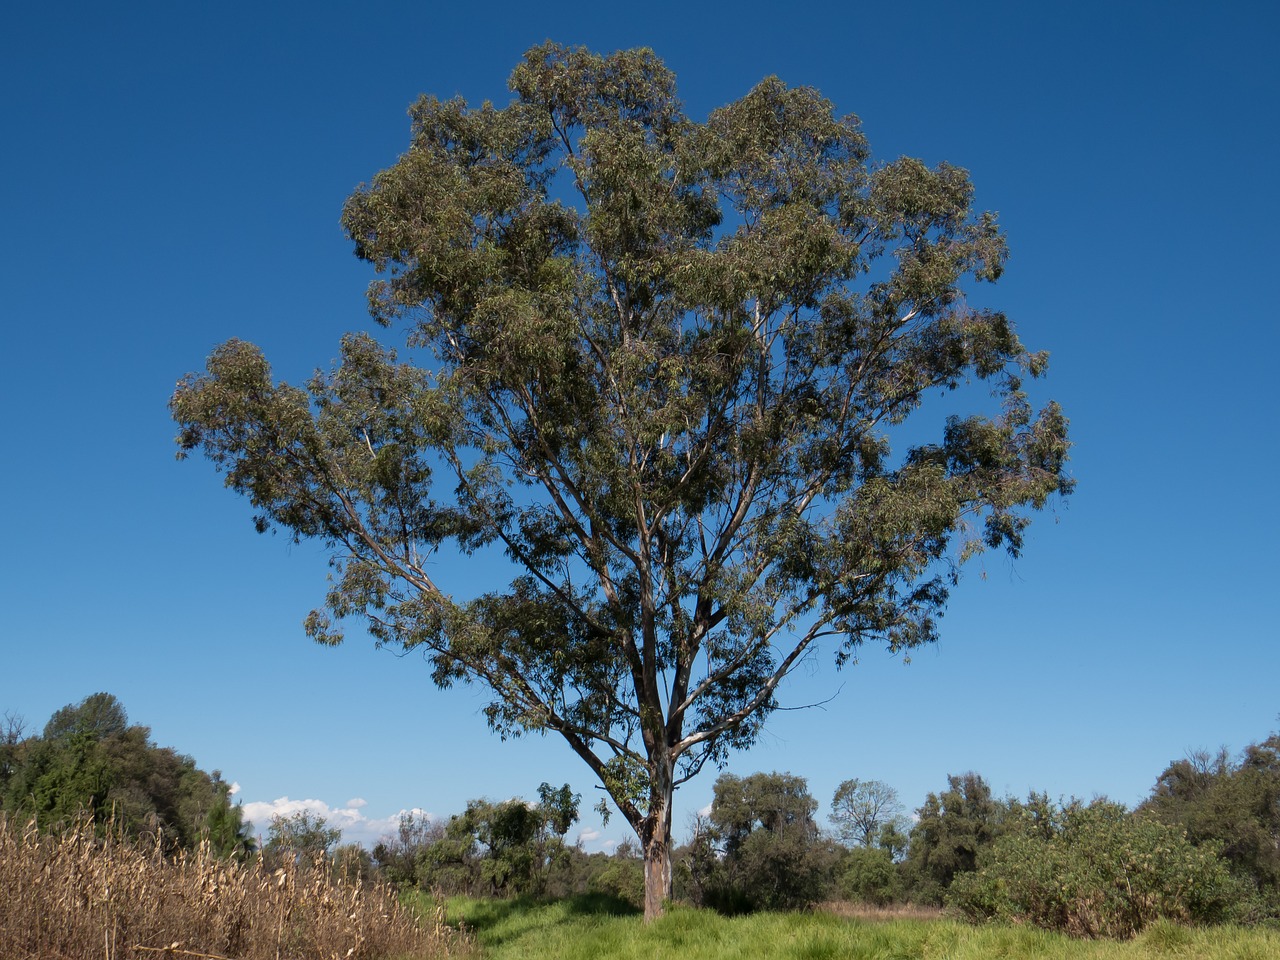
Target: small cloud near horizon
(356,827)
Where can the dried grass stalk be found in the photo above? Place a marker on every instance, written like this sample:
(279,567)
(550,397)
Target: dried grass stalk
(84,892)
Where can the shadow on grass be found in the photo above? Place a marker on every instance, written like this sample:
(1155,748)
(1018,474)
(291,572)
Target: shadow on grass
(495,922)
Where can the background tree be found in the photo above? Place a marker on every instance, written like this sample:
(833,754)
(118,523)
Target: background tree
(497,849)
(13,727)
(398,855)
(773,856)
(862,809)
(91,760)
(895,839)
(697,863)
(623,876)
(870,875)
(952,828)
(1234,805)
(301,837)
(224,825)
(662,364)
(352,863)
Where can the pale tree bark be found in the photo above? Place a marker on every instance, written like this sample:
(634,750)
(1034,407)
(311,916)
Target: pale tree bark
(655,839)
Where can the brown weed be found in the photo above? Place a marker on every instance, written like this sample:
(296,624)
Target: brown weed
(83,893)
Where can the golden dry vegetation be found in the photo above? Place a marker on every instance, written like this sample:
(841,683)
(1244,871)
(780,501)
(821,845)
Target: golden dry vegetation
(81,894)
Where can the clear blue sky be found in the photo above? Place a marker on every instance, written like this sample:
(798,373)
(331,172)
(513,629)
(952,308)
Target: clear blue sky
(172,175)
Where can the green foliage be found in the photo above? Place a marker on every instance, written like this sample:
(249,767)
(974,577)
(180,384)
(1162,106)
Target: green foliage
(91,760)
(98,716)
(771,854)
(773,802)
(664,367)
(496,849)
(1233,805)
(866,811)
(397,856)
(12,750)
(894,840)
(302,836)
(869,875)
(225,826)
(696,866)
(1095,871)
(952,829)
(623,878)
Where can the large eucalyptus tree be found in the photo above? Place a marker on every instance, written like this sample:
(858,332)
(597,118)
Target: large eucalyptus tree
(658,364)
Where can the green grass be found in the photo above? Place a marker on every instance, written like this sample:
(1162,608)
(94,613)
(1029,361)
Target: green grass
(592,927)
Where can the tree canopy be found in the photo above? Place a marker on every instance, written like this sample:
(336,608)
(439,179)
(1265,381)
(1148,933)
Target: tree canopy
(91,761)
(769,841)
(302,836)
(1232,803)
(862,810)
(951,831)
(660,366)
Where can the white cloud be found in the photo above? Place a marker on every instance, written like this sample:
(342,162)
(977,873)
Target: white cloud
(233,789)
(355,825)
(705,811)
(588,836)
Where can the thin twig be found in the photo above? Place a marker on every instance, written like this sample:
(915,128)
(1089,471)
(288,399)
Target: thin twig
(185,953)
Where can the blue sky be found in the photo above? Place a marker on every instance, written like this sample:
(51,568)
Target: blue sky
(172,176)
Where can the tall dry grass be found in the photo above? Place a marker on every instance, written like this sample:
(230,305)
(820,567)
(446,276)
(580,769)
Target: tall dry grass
(853,910)
(82,894)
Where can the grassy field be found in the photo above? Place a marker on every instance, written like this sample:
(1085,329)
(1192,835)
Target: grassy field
(593,927)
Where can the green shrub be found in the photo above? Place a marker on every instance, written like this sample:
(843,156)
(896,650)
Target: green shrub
(953,829)
(622,879)
(1096,871)
(773,856)
(870,876)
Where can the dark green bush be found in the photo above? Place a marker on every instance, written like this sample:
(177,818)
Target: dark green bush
(870,876)
(953,829)
(1096,871)
(1232,803)
(773,856)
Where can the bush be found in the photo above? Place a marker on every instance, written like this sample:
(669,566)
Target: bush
(1234,803)
(622,879)
(870,876)
(773,855)
(780,872)
(1096,871)
(953,829)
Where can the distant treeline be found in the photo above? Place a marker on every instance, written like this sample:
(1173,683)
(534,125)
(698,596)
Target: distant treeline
(90,760)
(1203,848)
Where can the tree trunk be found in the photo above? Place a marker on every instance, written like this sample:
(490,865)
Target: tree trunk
(657,874)
(655,837)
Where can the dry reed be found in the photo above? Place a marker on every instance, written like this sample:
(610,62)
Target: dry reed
(853,910)
(81,894)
